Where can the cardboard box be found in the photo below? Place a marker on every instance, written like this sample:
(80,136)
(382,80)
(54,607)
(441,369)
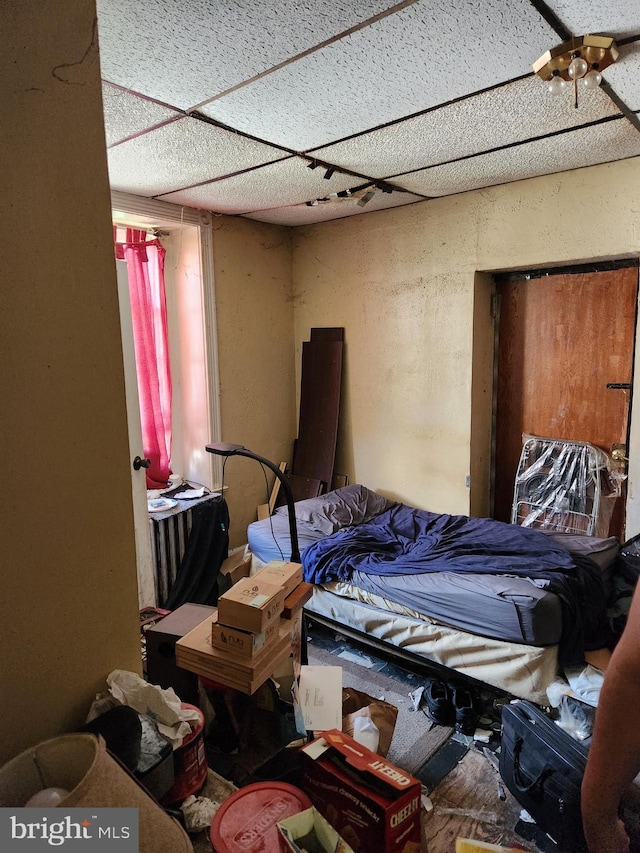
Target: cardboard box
(280,573)
(237,566)
(243,644)
(251,604)
(309,830)
(371,803)
(195,653)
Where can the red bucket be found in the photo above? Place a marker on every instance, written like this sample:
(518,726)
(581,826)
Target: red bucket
(247,821)
(189,762)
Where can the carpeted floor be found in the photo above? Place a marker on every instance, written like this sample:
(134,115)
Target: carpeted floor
(415,739)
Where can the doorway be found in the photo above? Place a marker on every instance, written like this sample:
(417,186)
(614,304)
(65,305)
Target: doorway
(186,236)
(563,366)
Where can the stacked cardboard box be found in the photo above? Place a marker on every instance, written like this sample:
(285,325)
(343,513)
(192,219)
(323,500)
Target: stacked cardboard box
(251,605)
(255,629)
(289,576)
(196,653)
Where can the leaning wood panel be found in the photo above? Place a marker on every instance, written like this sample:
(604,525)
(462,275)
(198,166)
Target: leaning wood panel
(315,448)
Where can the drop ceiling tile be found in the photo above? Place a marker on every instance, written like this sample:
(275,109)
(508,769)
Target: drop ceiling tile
(277,185)
(302,214)
(185,52)
(619,19)
(427,54)
(502,116)
(182,153)
(613,140)
(624,76)
(126,115)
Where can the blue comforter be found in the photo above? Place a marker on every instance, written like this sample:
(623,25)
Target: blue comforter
(404,540)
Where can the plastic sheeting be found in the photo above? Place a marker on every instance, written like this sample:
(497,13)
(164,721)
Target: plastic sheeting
(568,486)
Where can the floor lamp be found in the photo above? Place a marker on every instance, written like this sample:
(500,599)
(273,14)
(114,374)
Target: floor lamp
(226,449)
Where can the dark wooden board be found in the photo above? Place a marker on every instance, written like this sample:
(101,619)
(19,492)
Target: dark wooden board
(315,449)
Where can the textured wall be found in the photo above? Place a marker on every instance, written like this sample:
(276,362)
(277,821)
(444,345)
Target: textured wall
(69,600)
(254,311)
(403,283)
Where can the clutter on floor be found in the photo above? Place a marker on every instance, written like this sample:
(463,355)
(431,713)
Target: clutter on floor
(298,741)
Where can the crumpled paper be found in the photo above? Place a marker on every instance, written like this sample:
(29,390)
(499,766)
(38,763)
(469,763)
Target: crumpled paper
(162,705)
(198,812)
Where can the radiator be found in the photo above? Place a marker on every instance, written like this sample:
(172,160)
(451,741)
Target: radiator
(169,536)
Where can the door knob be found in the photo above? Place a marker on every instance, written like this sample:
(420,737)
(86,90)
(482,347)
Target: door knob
(139,463)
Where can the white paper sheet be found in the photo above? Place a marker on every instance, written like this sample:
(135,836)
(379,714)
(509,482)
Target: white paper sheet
(320,694)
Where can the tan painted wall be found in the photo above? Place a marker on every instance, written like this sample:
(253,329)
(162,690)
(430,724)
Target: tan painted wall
(402,283)
(69,600)
(254,310)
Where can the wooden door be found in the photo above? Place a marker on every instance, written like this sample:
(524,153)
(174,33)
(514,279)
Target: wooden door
(562,339)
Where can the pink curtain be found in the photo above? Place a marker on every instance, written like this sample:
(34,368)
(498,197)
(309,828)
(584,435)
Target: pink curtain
(145,266)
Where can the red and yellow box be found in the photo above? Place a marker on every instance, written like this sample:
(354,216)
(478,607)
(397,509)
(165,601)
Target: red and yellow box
(371,803)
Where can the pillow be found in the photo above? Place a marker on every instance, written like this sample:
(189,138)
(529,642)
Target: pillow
(343,507)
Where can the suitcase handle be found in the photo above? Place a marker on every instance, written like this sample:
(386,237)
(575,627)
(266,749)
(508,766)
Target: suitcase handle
(522,784)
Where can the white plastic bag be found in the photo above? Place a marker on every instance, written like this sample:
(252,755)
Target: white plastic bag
(366,733)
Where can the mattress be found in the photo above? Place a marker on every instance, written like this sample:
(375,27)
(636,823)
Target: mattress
(502,607)
(522,670)
(518,613)
(270,538)
(498,606)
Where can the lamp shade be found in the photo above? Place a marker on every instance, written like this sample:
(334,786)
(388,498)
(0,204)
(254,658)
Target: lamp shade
(80,764)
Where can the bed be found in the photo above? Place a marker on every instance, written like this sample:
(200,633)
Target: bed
(505,605)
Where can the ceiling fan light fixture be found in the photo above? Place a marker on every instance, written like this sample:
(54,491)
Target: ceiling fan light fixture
(579,60)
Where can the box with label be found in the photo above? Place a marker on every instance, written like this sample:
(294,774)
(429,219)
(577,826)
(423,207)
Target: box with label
(195,653)
(372,804)
(251,604)
(236,641)
(279,573)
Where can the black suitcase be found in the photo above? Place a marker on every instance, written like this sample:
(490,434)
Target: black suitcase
(542,766)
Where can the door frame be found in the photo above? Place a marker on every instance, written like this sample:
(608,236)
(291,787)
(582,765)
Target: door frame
(151,213)
(483,397)
(146,213)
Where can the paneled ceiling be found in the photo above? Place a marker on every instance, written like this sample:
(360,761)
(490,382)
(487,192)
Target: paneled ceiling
(300,111)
